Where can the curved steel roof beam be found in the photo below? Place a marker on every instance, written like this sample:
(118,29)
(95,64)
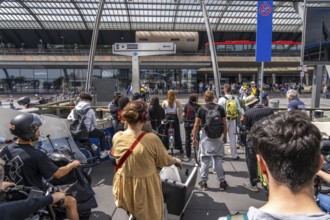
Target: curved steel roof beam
(80,13)
(222,14)
(31,13)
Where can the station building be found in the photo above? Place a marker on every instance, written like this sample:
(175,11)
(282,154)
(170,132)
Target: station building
(44,45)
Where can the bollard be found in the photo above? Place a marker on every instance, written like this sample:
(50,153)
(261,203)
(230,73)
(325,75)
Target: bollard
(274,103)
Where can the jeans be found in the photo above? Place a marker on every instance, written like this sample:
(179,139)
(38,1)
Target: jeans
(96,133)
(324,202)
(205,161)
(115,124)
(188,141)
(231,126)
(251,161)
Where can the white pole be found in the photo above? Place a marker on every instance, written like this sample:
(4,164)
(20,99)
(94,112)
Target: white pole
(261,81)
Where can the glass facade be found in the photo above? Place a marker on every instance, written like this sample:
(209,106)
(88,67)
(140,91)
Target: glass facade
(74,80)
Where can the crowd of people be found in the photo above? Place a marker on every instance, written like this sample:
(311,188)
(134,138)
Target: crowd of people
(276,144)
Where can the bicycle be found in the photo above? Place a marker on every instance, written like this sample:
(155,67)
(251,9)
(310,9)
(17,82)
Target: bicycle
(170,134)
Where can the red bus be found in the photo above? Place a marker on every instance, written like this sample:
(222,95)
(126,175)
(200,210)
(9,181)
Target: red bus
(247,46)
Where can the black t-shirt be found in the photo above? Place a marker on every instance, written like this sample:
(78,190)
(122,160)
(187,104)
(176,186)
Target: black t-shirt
(201,113)
(194,105)
(157,114)
(25,165)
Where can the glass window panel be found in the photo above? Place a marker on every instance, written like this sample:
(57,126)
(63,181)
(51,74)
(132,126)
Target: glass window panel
(54,73)
(2,75)
(40,73)
(13,73)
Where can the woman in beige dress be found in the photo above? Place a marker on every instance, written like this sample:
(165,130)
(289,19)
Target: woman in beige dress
(136,185)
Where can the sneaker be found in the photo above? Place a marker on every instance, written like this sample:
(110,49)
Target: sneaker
(249,186)
(213,171)
(236,158)
(223,186)
(202,185)
(104,154)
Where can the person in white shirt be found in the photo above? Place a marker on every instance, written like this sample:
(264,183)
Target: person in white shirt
(231,121)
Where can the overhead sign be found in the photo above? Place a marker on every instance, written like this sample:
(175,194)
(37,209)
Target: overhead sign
(264,31)
(144,49)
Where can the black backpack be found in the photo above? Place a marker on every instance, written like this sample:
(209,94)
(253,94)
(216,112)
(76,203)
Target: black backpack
(213,122)
(190,116)
(78,128)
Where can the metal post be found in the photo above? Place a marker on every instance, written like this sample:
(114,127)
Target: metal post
(93,47)
(317,86)
(261,80)
(216,73)
(135,74)
(303,36)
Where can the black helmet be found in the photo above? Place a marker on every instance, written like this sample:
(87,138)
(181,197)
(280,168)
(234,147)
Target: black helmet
(25,126)
(23,100)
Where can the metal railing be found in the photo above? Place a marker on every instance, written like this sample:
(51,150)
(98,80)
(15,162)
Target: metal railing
(85,52)
(309,111)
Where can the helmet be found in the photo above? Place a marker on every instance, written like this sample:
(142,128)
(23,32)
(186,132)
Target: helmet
(25,126)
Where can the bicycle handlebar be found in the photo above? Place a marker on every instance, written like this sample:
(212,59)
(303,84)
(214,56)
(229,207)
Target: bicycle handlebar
(166,121)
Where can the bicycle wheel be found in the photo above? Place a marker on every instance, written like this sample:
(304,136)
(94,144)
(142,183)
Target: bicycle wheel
(88,155)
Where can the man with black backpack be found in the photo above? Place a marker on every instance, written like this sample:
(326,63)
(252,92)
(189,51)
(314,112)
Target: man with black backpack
(189,114)
(84,123)
(212,117)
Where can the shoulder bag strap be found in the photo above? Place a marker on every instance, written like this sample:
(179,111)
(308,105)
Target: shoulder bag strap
(205,108)
(129,151)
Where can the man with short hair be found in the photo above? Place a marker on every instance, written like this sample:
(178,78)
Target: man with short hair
(210,147)
(254,113)
(288,152)
(225,101)
(294,101)
(30,167)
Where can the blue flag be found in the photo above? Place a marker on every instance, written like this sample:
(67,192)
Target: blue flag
(264,31)
(325,31)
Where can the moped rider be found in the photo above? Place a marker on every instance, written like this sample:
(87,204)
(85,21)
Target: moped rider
(28,166)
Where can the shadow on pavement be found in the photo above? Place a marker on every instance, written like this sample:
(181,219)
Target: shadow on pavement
(261,195)
(241,174)
(99,216)
(202,206)
(103,174)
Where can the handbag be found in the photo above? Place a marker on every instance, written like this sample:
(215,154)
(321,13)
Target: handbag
(129,151)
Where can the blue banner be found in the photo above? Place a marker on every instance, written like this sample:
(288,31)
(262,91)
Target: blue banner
(264,31)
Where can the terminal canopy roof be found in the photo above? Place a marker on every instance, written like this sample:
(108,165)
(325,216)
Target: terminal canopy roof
(177,15)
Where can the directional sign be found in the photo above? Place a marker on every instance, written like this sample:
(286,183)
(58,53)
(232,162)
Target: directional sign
(264,31)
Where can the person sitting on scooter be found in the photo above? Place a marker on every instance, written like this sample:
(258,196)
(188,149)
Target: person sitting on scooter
(26,207)
(324,199)
(113,109)
(84,106)
(25,165)
(5,141)
(136,184)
